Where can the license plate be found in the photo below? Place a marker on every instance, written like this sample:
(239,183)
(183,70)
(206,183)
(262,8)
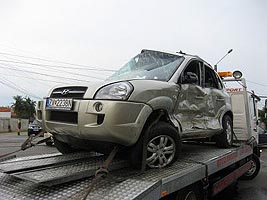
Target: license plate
(59,104)
(35,129)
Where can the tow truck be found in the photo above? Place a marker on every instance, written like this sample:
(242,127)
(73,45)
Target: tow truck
(202,171)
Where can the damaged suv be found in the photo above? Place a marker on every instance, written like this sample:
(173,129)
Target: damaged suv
(147,107)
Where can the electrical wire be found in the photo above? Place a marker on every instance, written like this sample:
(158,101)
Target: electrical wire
(256,83)
(52,66)
(21,72)
(67,72)
(19,87)
(48,75)
(55,61)
(38,79)
(20,90)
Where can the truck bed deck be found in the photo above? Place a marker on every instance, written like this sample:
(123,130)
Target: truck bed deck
(42,177)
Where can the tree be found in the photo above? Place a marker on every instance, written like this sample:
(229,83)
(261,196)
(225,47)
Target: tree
(24,107)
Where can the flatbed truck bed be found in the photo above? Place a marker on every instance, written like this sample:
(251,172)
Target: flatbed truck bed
(57,176)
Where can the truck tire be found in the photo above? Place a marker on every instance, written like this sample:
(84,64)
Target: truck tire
(63,148)
(192,192)
(163,146)
(225,139)
(253,172)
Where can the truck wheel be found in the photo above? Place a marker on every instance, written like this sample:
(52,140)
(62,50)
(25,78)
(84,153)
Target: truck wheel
(63,148)
(163,146)
(225,139)
(253,172)
(192,192)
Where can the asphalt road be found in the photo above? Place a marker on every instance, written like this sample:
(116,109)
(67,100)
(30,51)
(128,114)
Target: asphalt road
(11,141)
(255,189)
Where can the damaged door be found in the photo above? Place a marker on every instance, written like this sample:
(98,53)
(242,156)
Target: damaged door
(216,101)
(192,101)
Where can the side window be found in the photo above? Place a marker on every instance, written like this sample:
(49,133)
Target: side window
(210,78)
(194,69)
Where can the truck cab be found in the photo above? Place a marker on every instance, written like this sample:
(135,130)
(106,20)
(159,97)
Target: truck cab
(244,107)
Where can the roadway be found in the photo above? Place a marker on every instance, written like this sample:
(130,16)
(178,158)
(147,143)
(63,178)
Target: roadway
(255,189)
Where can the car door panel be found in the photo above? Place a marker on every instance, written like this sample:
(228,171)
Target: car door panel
(217,98)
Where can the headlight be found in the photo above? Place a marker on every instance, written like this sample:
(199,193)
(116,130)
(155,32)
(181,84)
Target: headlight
(120,91)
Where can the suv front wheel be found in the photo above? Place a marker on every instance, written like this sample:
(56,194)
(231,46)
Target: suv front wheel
(163,146)
(63,148)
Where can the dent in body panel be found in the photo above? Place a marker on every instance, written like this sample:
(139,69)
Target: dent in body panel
(195,109)
(154,91)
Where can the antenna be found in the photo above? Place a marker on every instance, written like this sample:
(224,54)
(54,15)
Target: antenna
(215,66)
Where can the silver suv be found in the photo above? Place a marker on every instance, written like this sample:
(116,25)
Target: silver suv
(147,107)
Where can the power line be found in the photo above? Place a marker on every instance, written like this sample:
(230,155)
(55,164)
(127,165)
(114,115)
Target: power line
(38,79)
(67,72)
(18,89)
(54,76)
(53,66)
(256,83)
(17,68)
(48,60)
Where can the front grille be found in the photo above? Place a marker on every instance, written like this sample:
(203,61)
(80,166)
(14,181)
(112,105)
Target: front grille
(61,116)
(69,92)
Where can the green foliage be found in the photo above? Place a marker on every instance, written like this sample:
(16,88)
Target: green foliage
(24,107)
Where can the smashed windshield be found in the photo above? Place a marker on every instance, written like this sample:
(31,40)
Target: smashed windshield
(152,65)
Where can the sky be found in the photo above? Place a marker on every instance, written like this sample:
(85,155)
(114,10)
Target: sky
(51,42)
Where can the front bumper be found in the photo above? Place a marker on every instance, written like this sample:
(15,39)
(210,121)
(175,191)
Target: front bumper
(33,131)
(118,122)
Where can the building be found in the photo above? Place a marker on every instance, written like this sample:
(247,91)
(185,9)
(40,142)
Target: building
(5,112)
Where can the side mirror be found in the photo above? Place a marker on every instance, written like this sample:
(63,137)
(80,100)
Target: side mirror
(190,78)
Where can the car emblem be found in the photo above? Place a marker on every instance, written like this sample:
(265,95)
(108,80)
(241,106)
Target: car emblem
(65,91)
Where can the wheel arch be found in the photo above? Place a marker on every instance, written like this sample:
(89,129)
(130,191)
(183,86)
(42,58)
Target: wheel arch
(157,115)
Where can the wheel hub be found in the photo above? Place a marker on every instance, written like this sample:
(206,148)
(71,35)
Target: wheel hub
(160,151)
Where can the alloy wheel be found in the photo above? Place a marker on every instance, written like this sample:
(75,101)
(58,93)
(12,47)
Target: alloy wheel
(160,151)
(228,132)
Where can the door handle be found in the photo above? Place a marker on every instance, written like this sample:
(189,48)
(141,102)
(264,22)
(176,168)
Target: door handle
(199,97)
(220,99)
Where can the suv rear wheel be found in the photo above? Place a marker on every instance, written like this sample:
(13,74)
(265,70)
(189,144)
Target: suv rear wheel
(225,139)
(163,146)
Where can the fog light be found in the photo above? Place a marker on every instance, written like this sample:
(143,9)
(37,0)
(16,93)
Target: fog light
(98,107)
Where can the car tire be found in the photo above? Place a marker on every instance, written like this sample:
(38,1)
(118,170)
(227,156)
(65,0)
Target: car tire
(225,139)
(163,146)
(253,172)
(49,143)
(63,147)
(29,134)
